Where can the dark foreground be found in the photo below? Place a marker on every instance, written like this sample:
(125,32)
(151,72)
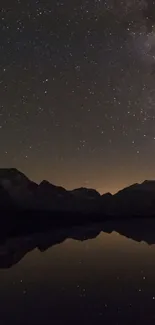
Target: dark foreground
(100,273)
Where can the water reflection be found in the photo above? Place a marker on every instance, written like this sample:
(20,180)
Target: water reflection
(98,277)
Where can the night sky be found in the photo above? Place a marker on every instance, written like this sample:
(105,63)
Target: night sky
(77,91)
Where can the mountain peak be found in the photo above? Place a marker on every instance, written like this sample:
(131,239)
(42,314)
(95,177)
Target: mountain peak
(83,191)
(15,181)
(47,186)
(149,181)
(149,185)
(11,172)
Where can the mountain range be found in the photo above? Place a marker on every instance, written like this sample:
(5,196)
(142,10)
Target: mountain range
(18,193)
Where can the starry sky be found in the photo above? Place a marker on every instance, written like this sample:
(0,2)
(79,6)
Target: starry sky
(77,91)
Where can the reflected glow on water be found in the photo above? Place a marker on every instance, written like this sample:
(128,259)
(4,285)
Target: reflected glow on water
(108,278)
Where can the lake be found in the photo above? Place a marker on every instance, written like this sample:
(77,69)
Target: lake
(92,275)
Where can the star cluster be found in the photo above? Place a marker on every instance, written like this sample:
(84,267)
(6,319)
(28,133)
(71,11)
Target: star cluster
(77,102)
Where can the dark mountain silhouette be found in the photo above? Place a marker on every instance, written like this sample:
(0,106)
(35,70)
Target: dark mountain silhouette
(85,193)
(45,196)
(50,203)
(49,196)
(137,199)
(5,200)
(13,249)
(19,188)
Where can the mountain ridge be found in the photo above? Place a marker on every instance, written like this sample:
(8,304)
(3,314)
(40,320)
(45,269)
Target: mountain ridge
(21,192)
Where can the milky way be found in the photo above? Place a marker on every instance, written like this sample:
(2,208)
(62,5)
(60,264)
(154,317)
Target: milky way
(77,85)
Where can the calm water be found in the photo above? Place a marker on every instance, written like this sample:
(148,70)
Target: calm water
(109,279)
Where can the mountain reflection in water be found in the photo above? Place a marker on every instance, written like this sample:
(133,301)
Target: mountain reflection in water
(96,274)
